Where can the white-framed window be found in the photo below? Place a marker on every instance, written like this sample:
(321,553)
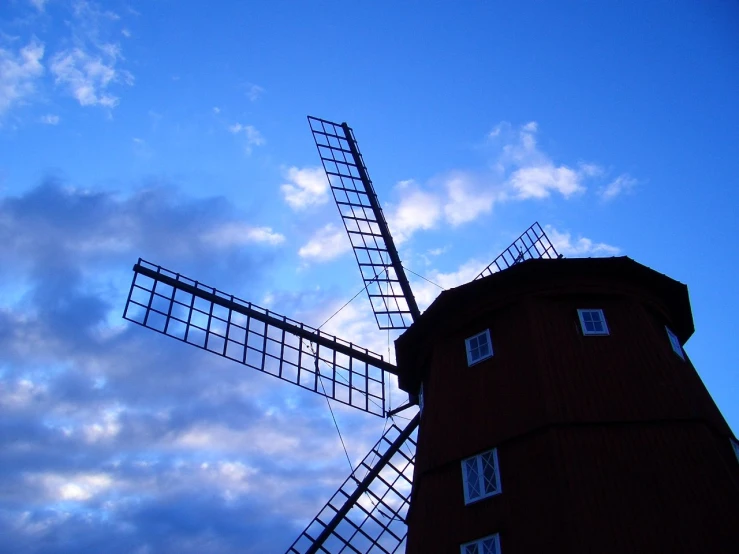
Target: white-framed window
(485,545)
(479,347)
(735,446)
(593,322)
(675,343)
(480,476)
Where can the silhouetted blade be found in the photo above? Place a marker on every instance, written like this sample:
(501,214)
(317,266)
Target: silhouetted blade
(367,513)
(533,243)
(205,317)
(387,285)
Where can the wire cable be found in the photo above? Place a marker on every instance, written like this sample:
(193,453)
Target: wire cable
(424,278)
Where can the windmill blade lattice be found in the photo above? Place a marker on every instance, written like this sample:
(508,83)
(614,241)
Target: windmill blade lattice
(387,285)
(203,316)
(533,243)
(367,513)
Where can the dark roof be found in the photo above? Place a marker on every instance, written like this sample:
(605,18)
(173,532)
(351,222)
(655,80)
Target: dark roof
(565,275)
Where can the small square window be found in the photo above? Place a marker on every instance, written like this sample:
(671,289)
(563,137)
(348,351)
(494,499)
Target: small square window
(485,545)
(480,476)
(479,347)
(735,446)
(675,344)
(593,322)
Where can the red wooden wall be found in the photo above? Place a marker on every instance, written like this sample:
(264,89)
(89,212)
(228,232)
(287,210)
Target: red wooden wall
(605,443)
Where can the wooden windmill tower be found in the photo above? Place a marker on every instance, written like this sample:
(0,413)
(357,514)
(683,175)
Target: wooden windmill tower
(558,409)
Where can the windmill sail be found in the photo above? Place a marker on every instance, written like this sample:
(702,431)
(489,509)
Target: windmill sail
(387,285)
(533,243)
(203,316)
(367,513)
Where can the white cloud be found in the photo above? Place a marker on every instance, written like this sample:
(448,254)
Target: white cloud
(77,487)
(253,92)
(87,77)
(126,33)
(582,246)
(466,202)
(539,181)
(19,73)
(50,119)
(235,234)
(591,169)
(253,136)
(216,110)
(307,187)
(326,244)
(417,209)
(621,184)
(38,4)
(531,174)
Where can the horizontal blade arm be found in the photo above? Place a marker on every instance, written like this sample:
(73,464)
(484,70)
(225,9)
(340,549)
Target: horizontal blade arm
(221,323)
(280,323)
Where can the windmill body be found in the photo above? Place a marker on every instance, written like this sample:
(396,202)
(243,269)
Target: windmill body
(533,433)
(568,437)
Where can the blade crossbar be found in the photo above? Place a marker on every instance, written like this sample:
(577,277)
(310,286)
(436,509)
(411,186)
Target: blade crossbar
(365,224)
(533,243)
(367,513)
(241,331)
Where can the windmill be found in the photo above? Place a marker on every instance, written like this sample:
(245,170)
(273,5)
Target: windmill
(367,513)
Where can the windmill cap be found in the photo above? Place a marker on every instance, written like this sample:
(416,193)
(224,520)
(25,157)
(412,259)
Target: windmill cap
(565,276)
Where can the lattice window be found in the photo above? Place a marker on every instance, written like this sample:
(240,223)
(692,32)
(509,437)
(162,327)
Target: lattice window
(675,343)
(485,545)
(479,347)
(480,476)
(593,322)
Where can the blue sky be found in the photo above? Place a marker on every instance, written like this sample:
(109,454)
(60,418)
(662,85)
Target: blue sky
(177,132)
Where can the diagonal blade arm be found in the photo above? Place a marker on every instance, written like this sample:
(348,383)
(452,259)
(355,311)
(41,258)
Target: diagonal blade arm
(205,317)
(533,243)
(375,522)
(387,285)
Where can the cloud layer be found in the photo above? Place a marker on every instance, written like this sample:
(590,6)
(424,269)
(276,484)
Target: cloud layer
(115,438)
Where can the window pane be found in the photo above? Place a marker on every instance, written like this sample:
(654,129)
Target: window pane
(489,546)
(484,350)
(473,478)
(470,548)
(489,472)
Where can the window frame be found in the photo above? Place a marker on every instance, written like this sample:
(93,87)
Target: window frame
(468,350)
(675,343)
(478,543)
(481,477)
(606,330)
